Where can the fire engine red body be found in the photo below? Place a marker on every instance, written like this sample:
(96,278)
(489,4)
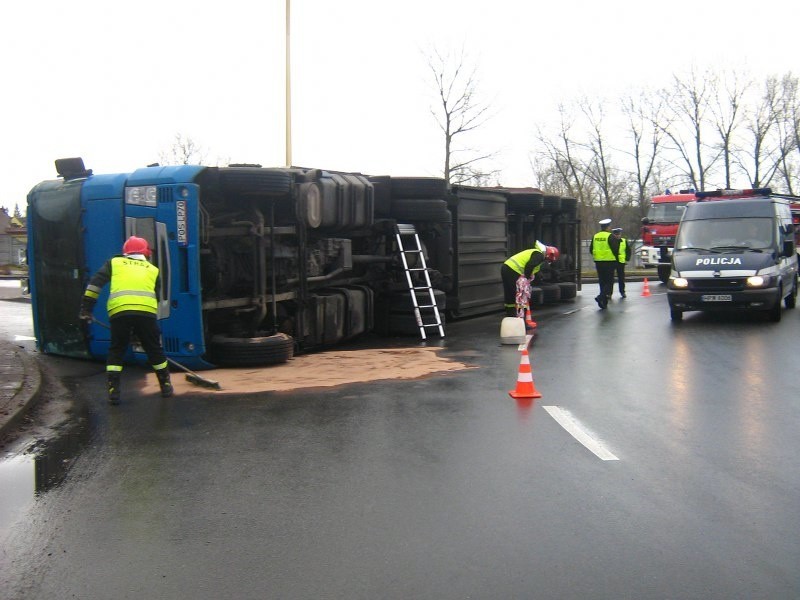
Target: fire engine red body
(659,228)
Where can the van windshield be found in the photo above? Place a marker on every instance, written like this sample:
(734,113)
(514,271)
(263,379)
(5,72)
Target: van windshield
(755,233)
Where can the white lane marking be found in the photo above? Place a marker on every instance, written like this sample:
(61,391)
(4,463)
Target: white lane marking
(568,422)
(23,338)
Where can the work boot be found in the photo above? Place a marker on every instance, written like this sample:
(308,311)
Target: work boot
(113,387)
(164,382)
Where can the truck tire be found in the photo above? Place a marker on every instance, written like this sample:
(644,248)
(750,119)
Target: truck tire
(676,315)
(537,296)
(569,290)
(228,351)
(551,203)
(418,187)
(251,180)
(524,203)
(430,211)
(552,293)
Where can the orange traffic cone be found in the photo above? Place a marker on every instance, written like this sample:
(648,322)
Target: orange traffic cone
(525,387)
(529,322)
(646,289)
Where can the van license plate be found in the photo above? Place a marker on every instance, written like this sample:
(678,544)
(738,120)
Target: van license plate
(716,298)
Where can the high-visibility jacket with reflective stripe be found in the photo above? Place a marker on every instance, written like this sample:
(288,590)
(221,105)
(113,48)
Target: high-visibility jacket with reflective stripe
(134,286)
(601,251)
(520,260)
(622,253)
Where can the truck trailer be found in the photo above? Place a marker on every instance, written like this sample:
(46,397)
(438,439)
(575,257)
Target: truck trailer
(258,264)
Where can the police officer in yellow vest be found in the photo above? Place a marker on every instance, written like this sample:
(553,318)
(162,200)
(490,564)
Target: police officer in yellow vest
(605,249)
(527,263)
(623,256)
(132,308)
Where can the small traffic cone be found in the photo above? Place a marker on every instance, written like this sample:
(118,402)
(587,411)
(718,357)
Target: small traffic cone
(529,322)
(525,387)
(646,289)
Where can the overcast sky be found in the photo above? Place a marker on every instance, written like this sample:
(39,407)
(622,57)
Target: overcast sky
(114,82)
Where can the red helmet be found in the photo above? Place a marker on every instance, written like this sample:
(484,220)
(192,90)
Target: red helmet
(136,245)
(551,253)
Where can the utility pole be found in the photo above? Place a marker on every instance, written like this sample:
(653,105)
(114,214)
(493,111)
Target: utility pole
(288,88)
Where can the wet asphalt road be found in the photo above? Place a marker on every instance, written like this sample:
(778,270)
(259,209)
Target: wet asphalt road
(447,487)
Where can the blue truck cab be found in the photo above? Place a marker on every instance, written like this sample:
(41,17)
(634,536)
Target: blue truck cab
(735,250)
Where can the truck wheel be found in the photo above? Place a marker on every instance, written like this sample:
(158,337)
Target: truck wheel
(675,314)
(249,352)
(569,290)
(537,296)
(418,187)
(252,180)
(552,293)
(410,209)
(663,273)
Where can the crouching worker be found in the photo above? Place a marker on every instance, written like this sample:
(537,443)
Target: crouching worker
(132,308)
(526,263)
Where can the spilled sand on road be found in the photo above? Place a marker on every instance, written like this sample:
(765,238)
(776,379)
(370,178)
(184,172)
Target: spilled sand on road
(323,369)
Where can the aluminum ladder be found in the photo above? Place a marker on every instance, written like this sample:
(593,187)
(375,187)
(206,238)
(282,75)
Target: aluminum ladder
(426,311)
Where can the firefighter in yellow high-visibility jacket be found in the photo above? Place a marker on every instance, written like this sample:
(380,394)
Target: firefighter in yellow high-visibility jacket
(523,264)
(132,308)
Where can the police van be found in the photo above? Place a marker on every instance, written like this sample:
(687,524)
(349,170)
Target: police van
(735,250)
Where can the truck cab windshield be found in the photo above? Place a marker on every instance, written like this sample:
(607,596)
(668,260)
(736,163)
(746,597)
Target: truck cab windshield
(719,235)
(666,212)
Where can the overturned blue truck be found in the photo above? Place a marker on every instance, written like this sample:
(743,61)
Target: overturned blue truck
(260,263)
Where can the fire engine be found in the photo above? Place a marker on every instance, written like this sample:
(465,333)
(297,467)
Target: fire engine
(659,228)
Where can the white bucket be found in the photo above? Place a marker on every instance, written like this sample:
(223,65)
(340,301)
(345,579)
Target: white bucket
(512,330)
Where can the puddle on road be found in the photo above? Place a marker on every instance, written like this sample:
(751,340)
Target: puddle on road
(23,477)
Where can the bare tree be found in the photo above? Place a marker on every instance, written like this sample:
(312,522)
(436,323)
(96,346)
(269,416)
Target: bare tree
(458,113)
(763,157)
(599,167)
(646,137)
(790,132)
(728,108)
(184,151)
(688,103)
(559,163)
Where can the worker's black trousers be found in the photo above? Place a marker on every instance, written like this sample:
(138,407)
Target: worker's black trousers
(145,327)
(620,277)
(509,277)
(605,276)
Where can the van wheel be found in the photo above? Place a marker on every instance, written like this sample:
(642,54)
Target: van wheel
(777,311)
(676,315)
(791,300)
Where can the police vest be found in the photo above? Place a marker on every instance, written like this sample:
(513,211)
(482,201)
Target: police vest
(520,259)
(623,250)
(133,284)
(601,251)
